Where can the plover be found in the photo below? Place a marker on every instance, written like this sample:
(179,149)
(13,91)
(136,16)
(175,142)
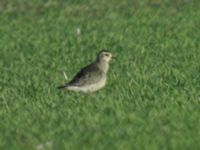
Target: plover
(92,77)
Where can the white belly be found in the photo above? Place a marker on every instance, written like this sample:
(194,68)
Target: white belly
(88,88)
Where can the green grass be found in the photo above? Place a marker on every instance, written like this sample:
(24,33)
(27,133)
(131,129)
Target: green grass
(152,98)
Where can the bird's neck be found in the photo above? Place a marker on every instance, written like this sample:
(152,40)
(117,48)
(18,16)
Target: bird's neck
(103,66)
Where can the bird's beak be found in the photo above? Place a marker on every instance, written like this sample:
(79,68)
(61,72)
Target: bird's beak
(114,57)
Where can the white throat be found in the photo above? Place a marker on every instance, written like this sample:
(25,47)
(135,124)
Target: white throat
(104,66)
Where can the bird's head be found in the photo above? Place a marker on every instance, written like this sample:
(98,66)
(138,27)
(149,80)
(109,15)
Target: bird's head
(104,56)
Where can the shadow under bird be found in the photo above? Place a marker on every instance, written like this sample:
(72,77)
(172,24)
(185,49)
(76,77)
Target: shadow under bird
(92,77)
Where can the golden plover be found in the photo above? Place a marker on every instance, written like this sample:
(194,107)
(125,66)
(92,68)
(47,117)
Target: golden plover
(92,77)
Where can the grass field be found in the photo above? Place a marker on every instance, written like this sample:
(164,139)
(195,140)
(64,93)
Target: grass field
(152,98)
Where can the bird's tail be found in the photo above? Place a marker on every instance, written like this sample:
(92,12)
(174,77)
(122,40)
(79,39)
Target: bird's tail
(62,86)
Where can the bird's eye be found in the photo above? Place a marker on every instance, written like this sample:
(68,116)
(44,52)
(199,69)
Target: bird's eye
(106,55)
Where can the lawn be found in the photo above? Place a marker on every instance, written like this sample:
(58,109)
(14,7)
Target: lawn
(151,100)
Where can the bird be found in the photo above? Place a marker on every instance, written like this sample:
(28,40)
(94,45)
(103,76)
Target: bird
(92,77)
